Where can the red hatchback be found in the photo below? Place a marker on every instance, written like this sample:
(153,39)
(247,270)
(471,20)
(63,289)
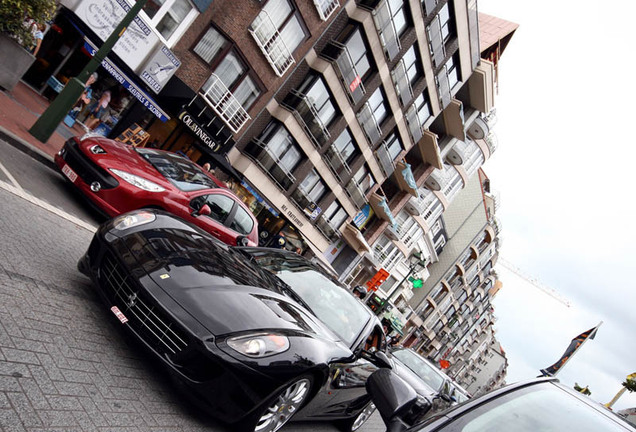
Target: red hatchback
(118,178)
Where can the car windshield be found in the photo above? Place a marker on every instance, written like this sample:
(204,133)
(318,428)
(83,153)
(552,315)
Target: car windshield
(182,173)
(420,367)
(542,407)
(333,305)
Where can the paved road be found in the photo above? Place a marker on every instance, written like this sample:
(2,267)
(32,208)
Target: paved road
(64,364)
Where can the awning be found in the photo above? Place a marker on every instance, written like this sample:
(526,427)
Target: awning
(220,160)
(355,239)
(267,205)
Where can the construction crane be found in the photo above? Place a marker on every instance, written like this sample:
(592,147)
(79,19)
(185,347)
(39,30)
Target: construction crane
(533,281)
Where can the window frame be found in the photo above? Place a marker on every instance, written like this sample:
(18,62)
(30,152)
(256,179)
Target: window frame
(182,26)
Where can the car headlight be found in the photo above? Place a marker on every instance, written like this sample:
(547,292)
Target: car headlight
(137,181)
(259,345)
(134,219)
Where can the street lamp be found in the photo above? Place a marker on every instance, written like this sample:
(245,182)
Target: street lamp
(415,262)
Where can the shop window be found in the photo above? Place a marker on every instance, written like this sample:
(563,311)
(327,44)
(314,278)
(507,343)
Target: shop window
(170,17)
(278,30)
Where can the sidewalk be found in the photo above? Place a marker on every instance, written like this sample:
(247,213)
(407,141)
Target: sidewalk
(19,109)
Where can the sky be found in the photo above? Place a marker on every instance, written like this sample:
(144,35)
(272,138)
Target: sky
(564,170)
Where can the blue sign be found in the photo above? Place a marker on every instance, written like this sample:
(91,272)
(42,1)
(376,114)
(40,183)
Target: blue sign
(363,216)
(259,199)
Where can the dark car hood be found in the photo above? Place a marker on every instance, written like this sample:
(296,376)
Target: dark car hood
(415,381)
(219,287)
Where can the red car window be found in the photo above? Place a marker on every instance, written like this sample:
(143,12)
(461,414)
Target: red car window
(242,222)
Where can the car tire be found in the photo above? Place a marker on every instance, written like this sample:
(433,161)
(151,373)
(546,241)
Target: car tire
(355,423)
(279,409)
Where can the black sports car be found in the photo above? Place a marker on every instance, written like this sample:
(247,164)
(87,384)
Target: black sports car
(253,334)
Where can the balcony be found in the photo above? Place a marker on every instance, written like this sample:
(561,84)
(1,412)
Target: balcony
(474,158)
(415,125)
(492,142)
(369,123)
(383,18)
(308,117)
(385,160)
(325,227)
(352,81)
(271,43)
(270,163)
(325,8)
(224,104)
(337,164)
(303,201)
(402,82)
(356,194)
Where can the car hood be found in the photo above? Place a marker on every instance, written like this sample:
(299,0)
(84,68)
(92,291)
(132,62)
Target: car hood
(415,381)
(214,284)
(121,156)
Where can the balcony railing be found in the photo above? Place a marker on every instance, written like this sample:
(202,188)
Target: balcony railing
(271,43)
(352,81)
(492,142)
(307,115)
(402,82)
(369,123)
(325,8)
(415,125)
(356,194)
(303,201)
(324,225)
(431,205)
(270,163)
(474,158)
(224,104)
(386,162)
(389,38)
(337,163)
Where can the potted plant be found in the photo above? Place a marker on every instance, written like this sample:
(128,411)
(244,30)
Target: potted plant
(17,18)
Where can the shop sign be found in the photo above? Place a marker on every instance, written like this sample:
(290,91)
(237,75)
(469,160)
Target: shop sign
(134,90)
(259,198)
(363,216)
(158,70)
(198,130)
(103,16)
(292,216)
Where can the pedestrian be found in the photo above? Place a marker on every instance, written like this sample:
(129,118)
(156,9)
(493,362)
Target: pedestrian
(359,291)
(99,111)
(38,36)
(86,96)
(206,167)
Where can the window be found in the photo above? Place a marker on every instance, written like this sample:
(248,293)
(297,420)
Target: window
(313,105)
(170,17)
(413,65)
(452,70)
(393,145)
(364,179)
(358,52)
(390,21)
(227,66)
(230,91)
(278,30)
(309,192)
(332,219)
(446,23)
(341,153)
(242,222)
(220,206)
(407,71)
(388,153)
(372,115)
(277,153)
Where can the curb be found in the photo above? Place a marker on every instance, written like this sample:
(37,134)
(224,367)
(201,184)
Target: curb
(27,148)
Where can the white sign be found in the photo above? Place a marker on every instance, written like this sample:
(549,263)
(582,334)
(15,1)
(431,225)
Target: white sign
(160,68)
(102,16)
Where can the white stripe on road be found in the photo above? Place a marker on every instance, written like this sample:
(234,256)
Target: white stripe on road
(11,178)
(18,191)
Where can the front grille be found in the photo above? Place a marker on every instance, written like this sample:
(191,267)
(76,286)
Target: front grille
(151,323)
(85,168)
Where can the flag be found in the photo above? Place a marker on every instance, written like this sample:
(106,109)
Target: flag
(569,352)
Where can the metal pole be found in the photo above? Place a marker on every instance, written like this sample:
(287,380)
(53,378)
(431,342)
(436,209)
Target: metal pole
(44,126)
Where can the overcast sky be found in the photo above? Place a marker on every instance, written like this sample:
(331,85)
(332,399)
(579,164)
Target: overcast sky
(564,169)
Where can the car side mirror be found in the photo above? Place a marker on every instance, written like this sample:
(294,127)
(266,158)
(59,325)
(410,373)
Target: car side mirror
(377,357)
(204,210)
(392,396)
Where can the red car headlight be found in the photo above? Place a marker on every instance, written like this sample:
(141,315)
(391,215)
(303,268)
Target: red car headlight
(137,181)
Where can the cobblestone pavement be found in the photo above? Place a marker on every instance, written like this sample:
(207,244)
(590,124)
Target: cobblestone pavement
(64,365)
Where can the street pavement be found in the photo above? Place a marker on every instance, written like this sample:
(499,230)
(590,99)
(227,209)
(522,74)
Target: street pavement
(64,363)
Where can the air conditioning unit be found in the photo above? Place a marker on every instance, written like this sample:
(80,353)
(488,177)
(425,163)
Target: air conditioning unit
(391,233)
(434,181)
(478,129)
(457,155)
(412,207)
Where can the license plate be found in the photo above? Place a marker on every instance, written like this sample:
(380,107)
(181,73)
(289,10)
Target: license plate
(68,172)
(120,316)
